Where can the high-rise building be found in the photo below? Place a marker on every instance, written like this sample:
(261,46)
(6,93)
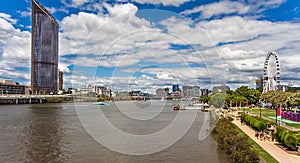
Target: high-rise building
(204,92)
(222,88)
(60,80)
(162,93)
(44,50)
(191,91)
(175,88)
(86,89)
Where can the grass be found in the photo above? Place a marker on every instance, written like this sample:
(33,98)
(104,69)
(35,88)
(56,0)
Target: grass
(293,125)
(264,112)
(264,155)
(256,111)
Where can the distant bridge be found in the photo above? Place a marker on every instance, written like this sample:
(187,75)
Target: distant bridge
(29,99)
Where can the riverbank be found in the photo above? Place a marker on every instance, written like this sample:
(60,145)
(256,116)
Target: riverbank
(269,146)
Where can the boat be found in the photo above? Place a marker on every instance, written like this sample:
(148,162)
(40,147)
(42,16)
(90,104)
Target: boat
(99,104)
(176,107)
(206,107)
(195,106)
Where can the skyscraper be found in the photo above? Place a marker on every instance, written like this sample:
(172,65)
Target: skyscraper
(175,88)
(44,50)
(60,80)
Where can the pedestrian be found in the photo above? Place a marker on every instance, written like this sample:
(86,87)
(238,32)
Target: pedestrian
(256,135)
(260,136)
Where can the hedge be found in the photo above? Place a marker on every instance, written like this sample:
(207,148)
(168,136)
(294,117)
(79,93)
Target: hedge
(256,123)
(288,139)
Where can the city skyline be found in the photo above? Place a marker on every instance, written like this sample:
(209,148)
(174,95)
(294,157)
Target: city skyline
(122,44)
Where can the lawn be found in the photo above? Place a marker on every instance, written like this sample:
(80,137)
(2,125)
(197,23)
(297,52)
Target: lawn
(256,111)
(293,125)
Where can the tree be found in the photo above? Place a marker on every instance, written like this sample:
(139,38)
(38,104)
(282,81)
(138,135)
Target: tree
(288,99)
(291,89)
(205,98)
(218,99)
(243,94)
(253,96)
(294,99)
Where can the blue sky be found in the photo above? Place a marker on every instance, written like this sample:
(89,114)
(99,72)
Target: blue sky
(146,44)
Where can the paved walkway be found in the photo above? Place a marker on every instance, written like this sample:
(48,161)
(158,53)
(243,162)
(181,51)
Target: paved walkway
(269,146)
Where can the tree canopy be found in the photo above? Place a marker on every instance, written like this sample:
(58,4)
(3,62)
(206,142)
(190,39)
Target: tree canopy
(241,95)
(289,99)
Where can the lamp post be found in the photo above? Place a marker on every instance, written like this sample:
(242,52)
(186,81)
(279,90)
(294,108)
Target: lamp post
(259,110)
(276,114)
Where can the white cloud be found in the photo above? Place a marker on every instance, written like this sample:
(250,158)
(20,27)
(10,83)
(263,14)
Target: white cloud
(98,32)
(218,8)
(5,25)
(64,67)
(51,9)
(8,18)
(79,2)
(25,13)
(163,2)
(225,7)
(119,10)
(14,50)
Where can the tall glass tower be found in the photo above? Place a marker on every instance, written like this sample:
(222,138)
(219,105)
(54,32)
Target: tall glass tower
(44,50)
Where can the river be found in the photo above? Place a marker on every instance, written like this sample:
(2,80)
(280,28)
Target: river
(54,133)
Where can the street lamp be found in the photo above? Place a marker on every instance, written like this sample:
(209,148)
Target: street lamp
(259,110)
(276,114)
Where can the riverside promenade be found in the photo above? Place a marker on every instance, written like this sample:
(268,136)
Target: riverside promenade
(269,146)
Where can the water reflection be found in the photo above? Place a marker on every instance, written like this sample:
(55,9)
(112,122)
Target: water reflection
(44,134)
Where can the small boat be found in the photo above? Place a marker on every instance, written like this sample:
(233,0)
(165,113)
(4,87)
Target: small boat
(99,103)
(195,106)
(206,107)
(176,107)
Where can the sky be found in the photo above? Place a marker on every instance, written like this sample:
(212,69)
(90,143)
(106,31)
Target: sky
(146,45)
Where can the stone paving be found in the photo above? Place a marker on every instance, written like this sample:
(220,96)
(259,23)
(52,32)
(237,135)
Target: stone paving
(269,146)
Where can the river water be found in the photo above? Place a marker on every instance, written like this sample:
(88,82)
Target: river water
(54,133)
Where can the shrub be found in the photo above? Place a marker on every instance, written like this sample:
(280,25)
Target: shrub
(230,118)
(54,100)
(235,145)
(288,139)
(255,122)
(291,141)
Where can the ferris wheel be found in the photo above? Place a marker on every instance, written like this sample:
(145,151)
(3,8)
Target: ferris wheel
(271,80)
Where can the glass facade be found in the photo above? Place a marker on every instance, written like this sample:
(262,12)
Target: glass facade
(44,57)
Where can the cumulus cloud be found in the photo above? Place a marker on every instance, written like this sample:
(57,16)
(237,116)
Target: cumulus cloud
(79,2)
(51,9)
(119,10)
(163,2)
(14,48)
(219,8)
(8,18)
(225,7)
(93,34)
